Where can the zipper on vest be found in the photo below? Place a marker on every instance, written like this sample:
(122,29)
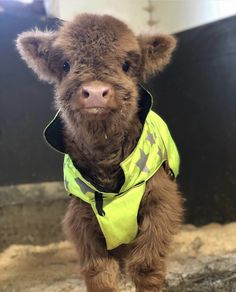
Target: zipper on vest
(99,203)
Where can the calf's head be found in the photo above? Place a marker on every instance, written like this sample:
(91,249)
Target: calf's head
(95,63)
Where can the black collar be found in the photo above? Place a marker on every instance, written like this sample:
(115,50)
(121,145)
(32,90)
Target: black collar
(53,133)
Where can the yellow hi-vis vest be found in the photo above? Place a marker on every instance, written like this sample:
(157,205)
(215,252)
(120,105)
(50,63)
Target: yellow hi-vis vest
(117,213)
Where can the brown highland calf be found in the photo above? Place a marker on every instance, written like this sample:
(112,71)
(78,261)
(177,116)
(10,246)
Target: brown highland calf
(96,64)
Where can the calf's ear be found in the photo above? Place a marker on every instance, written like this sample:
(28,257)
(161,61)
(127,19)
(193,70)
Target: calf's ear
(35,48)
(156,53)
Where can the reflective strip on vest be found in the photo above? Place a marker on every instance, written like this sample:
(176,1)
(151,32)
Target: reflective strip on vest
(119,223)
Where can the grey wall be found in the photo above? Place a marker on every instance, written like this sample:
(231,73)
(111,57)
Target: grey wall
(25,108)
(197,96)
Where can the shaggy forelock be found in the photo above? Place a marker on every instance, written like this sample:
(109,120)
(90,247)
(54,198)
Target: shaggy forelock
(90,37)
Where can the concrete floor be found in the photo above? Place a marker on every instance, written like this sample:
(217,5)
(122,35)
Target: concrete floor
(202,259)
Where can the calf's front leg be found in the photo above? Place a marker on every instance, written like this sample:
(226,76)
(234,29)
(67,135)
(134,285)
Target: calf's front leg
(160,217)
(101,272)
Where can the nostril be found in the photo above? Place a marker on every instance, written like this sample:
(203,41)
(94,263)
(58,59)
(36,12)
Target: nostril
(105,92)
(85,93)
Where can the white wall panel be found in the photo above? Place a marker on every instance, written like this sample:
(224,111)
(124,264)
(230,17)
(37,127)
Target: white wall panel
(170,15)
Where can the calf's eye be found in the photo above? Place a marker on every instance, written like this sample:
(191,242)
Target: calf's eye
(66,67)
(126,66)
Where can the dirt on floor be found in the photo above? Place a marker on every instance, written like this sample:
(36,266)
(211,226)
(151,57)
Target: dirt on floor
(53,268)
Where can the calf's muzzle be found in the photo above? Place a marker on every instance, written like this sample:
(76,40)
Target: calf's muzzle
(95,94)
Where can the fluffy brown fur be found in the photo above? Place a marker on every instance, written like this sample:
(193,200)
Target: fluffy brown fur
(95,48)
